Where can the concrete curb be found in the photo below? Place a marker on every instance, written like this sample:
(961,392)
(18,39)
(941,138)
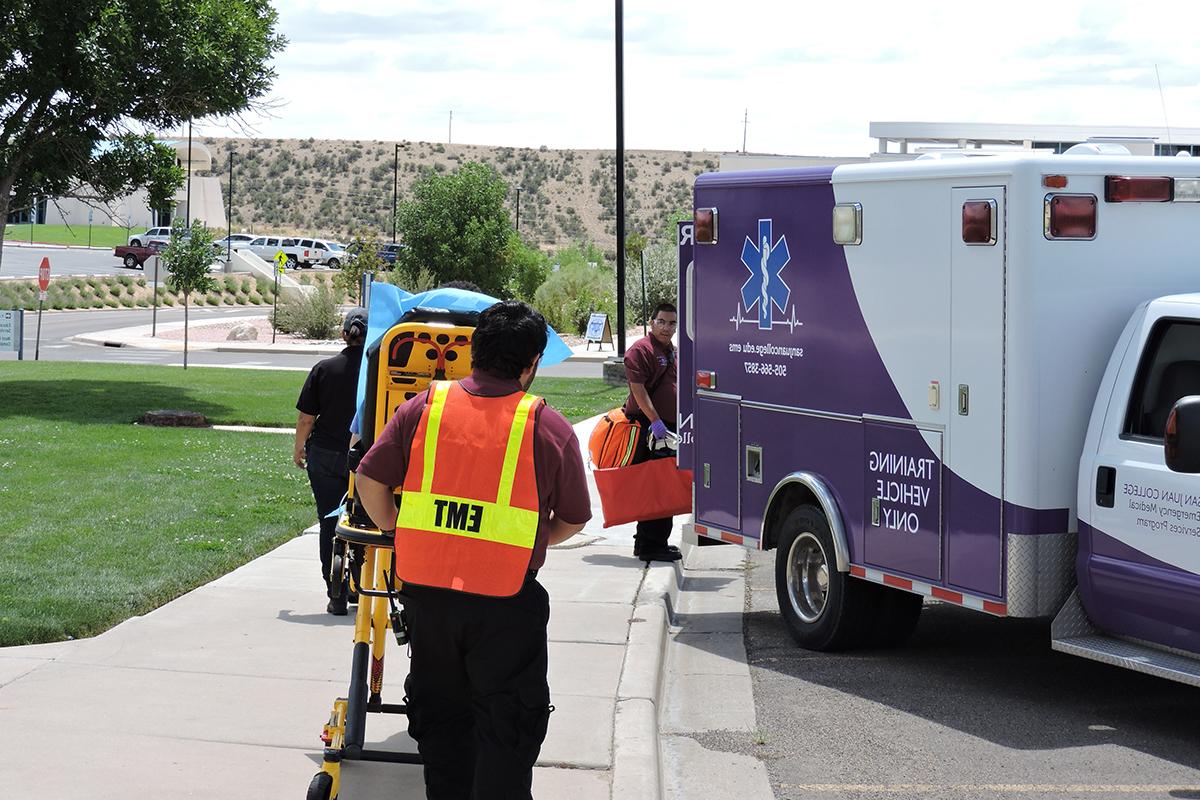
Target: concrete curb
(637,754)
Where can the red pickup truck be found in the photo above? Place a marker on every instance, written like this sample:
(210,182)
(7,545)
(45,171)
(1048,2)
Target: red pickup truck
(135,257)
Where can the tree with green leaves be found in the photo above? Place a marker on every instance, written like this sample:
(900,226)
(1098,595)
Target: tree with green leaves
(187,258)
(85,81)
(364,251)
(457,227)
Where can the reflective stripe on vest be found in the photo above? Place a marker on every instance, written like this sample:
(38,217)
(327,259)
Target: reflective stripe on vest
(454,538)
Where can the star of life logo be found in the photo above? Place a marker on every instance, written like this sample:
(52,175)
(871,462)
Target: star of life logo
(765,289)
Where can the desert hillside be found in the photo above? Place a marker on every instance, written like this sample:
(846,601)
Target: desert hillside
(333,187)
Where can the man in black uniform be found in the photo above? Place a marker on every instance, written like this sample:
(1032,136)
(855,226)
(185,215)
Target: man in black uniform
(651,371)
(326,406)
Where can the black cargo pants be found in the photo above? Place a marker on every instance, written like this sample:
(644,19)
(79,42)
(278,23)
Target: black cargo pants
(329,477)
(478,700)
(651,535)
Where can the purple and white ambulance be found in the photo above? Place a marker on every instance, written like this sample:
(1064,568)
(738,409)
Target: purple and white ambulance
(953,378)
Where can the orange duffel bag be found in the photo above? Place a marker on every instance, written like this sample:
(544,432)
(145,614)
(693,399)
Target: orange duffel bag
(614,440)
(650,490)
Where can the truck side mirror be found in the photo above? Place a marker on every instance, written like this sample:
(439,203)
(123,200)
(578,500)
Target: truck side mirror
(1181,439)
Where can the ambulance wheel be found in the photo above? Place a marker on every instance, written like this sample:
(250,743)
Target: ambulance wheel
(321,787)
(824,609)
(896,617)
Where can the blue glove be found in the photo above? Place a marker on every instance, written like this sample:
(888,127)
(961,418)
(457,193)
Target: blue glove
(658,429)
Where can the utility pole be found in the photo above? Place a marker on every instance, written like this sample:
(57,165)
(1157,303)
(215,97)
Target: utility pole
(518,209)
(229,214)
(745,121)
(620,182)
(395,185)
(450,128)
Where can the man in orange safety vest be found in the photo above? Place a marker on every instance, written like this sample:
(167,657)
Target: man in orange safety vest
(489,477)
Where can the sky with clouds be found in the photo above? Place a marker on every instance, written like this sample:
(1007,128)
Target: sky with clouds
(811,76)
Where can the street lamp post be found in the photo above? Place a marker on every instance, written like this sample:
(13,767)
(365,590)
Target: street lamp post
(229,215)
(395,185)
(620,183)
(188,221)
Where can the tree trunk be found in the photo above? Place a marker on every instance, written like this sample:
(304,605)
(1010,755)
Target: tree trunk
(185,328)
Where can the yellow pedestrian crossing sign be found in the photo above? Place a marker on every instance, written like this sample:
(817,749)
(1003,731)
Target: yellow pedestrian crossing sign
(281,260)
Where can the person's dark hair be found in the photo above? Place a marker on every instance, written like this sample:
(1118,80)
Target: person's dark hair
(510,334)
(664,306)
(466,286)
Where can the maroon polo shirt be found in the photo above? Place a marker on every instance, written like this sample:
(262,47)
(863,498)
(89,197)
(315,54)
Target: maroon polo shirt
(557,459)
(653,365)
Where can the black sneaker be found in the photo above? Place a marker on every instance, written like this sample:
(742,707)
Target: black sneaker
(665,554)
(337,606)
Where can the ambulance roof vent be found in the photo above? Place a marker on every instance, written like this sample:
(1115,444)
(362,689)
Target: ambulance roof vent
(1097,149)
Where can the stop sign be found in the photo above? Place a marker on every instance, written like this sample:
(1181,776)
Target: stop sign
(44,274)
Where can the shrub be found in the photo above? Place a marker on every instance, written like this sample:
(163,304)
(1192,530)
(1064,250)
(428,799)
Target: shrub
(228,299)
(313,315)
(127,301)
(256,298)
(240,298)
(571,294)
(167,299)
(213,299)
(143,303)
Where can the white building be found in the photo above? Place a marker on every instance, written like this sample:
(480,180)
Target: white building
(133,211)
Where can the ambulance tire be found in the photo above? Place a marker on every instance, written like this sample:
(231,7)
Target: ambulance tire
(896,616)
(824,609)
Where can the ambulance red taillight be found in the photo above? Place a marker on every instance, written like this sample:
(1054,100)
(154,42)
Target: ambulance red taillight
(706,379)
(1124,189)
(705,225)
(979,222)
(1070,216)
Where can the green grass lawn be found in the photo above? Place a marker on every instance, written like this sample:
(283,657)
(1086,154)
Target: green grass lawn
(104,520)
(101,235)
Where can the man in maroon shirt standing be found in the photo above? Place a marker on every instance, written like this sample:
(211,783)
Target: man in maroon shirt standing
(477,695)
(651,372)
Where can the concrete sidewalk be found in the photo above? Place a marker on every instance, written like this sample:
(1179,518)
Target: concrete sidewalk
(224,691)
(138,336)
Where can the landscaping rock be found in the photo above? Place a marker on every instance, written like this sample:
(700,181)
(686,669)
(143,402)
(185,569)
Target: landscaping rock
(243,332)
(174,419)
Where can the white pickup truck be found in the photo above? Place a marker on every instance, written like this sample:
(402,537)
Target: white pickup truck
(265,247)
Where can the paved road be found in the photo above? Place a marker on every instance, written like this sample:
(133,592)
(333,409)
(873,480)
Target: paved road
(972,707)
(57,326)
(22,262)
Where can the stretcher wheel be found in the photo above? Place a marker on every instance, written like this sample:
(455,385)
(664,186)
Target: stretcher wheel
(320,788)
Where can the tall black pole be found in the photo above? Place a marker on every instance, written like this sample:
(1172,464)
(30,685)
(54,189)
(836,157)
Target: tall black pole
(188,221)
(518,209)
(229,214)
(395,185)
(645,311)
(620,183)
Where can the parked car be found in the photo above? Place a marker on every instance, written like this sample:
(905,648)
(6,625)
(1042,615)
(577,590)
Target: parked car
(152,235)
(322,251)
(337,253)
(265,247)
(134,256)
(235,241)
(389,251)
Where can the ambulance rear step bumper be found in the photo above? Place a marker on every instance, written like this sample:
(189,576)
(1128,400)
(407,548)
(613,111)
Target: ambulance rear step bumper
(1073,633)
